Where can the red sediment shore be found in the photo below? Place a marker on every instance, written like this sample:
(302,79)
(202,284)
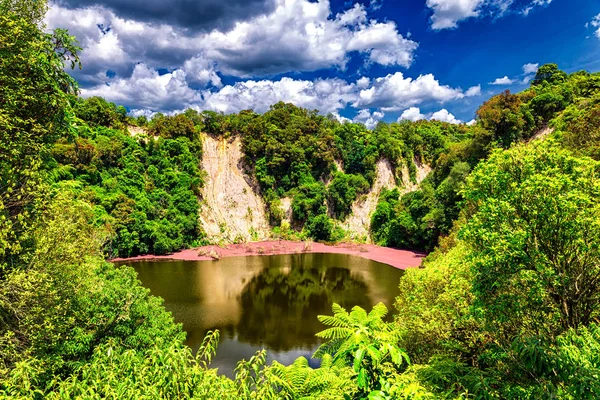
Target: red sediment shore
(401,259)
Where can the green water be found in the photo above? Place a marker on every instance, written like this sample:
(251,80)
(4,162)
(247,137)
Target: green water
(269,302)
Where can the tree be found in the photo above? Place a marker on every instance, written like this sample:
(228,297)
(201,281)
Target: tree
(549,73)
(534,231)
(32,11)
(505,117)
(98,112)
(343,191)
(320,227)
(34,110)
(171,127)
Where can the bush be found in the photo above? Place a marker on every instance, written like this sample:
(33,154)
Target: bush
(320,227)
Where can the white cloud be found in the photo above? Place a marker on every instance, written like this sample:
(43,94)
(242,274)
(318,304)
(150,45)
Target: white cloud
(341,119)
(394,92)
(448,13)
(298,35)
(411,114)
(147,89)
(595,23)
(302,35)
(444,116)
(471,122)
(503,81)
(473,91)
(369,119)
(363,82)
(533,4)
(327,95)
(202,71)
(530,68)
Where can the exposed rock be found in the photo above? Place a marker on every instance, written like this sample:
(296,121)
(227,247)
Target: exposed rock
(542,133)
(136,130)
(359,222)
(422,171)
(231,207)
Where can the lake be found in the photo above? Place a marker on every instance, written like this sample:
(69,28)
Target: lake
(269,302)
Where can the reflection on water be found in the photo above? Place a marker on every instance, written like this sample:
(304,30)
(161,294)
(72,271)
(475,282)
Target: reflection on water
(269,302)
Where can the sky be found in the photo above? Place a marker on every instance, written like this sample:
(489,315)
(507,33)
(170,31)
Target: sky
(360,60)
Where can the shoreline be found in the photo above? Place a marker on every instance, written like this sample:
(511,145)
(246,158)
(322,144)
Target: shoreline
(401,259)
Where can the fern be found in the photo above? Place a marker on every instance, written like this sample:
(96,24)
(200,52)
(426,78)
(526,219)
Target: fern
(364,342)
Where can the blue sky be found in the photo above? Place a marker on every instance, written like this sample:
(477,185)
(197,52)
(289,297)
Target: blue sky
(364,60)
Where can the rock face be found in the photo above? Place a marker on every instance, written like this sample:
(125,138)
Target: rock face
(231,207)
(232,210)
(422,171)
(359,222)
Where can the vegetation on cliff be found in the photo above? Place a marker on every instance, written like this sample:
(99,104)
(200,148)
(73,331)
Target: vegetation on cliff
(506,307)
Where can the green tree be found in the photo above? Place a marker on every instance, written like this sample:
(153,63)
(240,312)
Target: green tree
(31,11)
(534,228)
(549,73)
(34,110)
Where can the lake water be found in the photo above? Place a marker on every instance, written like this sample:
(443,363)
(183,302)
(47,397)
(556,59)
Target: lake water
(269,302)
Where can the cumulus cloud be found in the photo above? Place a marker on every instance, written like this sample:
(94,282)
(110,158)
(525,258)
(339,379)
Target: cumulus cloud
(370,119)
(202,71)
(530,68)
(448,13)
(443,115)
(303,36)
(327,95)
(503,81)
(150,89)
(595,23)
(394,92)
(147,89)
(473,91)
(412,114)
(341,119)
(204,15)
(295,35)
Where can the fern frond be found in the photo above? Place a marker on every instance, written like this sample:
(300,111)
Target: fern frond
(335,333)
(359,315)
(337,309)
(326,361)
(379,311)
(329,348)
(333,321)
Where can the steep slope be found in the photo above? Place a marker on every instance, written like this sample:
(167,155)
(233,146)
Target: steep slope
(231,208)
(358,223)
(422,170)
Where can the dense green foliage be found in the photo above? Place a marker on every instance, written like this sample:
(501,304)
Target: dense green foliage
(507,307)
(33,112)
(145,187)
(510,307)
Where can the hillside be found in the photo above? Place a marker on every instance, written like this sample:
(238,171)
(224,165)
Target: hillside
(231,208)
(506,306)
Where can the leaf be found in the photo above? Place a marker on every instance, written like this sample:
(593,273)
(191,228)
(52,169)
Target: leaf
(362,379)
(358,357)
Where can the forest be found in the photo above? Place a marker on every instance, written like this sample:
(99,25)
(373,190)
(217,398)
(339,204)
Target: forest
(505,306)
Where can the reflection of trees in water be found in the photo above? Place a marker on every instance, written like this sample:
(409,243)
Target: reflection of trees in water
(279,310)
